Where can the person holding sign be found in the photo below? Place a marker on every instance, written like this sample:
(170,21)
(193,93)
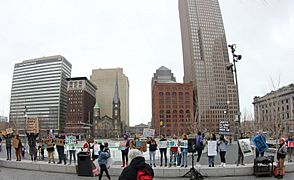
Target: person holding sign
(124,147)
(173,151)
(281,155)
(17,145)
(32,144)
(184,151)
(290,147)
(8,138)
(163,149)
(152,150)
(211,149)
(240,153)
(222,147)
(60,149)
(50,149)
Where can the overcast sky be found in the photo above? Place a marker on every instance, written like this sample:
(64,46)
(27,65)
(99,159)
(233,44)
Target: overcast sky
(140,36)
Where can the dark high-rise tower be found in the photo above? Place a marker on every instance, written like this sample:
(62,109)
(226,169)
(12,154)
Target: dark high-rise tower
(205,57)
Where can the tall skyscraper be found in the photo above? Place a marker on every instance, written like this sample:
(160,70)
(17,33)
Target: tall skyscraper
(205,57)
(39,89)
(105,80)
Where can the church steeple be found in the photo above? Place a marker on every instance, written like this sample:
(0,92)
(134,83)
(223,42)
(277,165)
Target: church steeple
(116,93)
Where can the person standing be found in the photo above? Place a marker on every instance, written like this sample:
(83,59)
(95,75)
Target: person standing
(8,138)
(102,161)
(184,153)
(163,151)
(41,150)
(17,145)
(211,158)
(240,154)
(0,144)
(199,146)
(222,146)
(60,150)
(174,151)
(152,151)
(32,145)
(125,144)
(289,149)
(281,155)
(50,149)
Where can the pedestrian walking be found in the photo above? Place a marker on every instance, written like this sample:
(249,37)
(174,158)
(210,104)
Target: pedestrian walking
(281,155)
(152,151)
(184,153)
(199,146)
(290,149)
(163,151)
(211,157)
(124,145)
(8,139)
(174,151)
(222,148)
(138,168)
(102,160)
(240,153)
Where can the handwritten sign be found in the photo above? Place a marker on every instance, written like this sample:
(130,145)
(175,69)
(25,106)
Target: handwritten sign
(148,132)
(184,143)
(259,143)
(59,142)
(162,144)
(245,147)
(32,125)
(173,143)
(224,127)
(71,142)
(211,148)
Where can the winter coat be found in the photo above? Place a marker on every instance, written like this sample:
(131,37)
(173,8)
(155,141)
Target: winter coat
(102,157)
(282,151)
(130,172)
(222,146)
(199,142)
(8,139)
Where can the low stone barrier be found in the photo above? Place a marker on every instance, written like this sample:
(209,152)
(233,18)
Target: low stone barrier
(115,170)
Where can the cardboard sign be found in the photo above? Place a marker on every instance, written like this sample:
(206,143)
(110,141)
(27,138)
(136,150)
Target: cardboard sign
(15,142)
(211,148)
(148,132)
(49,142)
(184,143)
(245,146)
(9,131)
(259,143)
(59,142)
(3,133)
(291,144)
(32,125)
(162,144)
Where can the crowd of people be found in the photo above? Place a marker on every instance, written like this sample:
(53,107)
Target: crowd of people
(132,150)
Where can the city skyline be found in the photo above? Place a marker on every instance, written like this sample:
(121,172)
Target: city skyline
(144,35)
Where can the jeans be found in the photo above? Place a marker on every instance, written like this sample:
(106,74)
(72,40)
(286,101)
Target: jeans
(173,157)
(8,151)
(72,153)
(211,161)
(223,156)
(102,169)
(152,157)
(124,156)
(163,153)
(184,158)
(61,156)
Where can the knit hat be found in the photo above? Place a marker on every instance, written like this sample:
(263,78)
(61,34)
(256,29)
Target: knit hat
(133,153)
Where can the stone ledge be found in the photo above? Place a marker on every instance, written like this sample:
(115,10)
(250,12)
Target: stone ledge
(115,170)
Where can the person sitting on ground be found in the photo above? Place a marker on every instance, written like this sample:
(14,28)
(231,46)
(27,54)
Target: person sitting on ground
(138,168)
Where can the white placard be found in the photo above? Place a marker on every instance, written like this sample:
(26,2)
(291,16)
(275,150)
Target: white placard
(162,144)
(245,146)
(211,148)
(148,132)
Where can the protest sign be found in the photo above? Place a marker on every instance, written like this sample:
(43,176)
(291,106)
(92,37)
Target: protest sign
(15,142)
(3,133)
(173,143)
(245,147)
(212,148)
(9,131)
(122,145)
(260,143)
(71,142)
(143,147)
(162,144)
(32,125)
(184,144)
(291,144)
(224,127)
(59,142)
(148,132)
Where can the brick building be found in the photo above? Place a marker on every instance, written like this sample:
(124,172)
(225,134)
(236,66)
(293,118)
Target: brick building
(81,98)
(172,108)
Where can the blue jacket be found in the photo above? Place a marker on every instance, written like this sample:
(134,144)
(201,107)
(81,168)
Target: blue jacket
(102,158)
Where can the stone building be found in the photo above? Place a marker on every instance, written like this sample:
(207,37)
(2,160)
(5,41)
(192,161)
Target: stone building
(274,112)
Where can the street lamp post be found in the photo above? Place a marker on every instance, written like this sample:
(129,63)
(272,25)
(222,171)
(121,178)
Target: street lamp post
(233,68)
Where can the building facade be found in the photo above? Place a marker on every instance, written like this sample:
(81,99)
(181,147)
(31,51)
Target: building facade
(39,89)
(3,119)
(274,112)
(105,79)
(137,129)
(205,57)
(81,98)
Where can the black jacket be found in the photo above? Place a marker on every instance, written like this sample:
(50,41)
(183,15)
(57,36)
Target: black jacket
(130,172)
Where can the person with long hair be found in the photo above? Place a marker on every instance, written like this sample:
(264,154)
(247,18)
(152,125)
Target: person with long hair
(152,151)
(222,147)
(281,155)
(184,153)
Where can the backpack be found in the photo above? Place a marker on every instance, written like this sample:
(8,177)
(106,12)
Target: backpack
(143,175)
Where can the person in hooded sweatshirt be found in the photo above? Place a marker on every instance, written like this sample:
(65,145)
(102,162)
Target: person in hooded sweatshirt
(137,164)
(103,155)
